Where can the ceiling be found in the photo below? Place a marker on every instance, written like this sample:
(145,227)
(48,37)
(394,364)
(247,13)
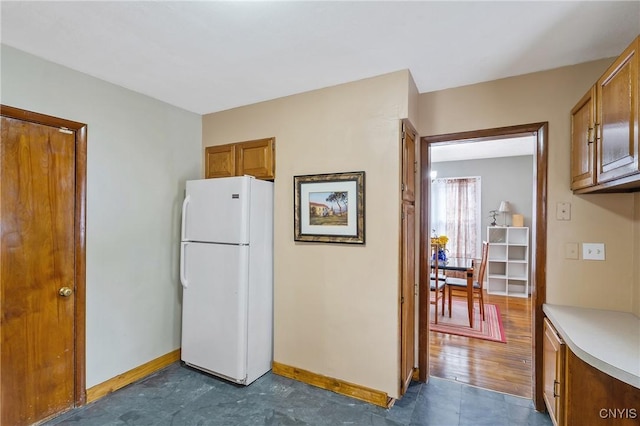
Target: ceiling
(503,147)
(209,56)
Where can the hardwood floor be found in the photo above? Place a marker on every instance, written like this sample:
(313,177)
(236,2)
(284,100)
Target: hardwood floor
(489,365)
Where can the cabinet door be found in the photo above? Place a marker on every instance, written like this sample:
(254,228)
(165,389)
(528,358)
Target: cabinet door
(553,369)
(408,165)
(220,161)
(256,158)
(582,142)
(617,118)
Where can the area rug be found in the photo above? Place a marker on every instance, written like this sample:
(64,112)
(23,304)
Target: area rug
(489,329)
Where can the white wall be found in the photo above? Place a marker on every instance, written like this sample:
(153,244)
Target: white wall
(336,305)
(140,151)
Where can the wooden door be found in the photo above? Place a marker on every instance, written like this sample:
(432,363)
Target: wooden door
(256,158)
(220,161)
(582,142)
(407,298)
(407,256)
(39,270)
(617,112)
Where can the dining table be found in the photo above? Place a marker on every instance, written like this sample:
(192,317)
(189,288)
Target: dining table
(464,265)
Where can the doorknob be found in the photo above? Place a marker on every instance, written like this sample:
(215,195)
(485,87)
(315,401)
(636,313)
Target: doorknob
(65,292)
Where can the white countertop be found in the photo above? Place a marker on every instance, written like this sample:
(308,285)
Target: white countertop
(606,340)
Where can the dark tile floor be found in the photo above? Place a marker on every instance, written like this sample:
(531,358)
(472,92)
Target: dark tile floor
(181,396)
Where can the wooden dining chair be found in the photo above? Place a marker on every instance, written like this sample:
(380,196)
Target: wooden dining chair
(437,284)
(460,284)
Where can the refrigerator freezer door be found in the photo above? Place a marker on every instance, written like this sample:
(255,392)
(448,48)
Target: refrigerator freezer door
(214,314)
(217,210)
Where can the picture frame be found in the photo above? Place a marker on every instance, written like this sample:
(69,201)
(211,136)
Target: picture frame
(329,208)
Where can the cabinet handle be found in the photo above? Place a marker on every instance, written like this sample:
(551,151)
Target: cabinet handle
(597,125)
(556,394)
(590,135)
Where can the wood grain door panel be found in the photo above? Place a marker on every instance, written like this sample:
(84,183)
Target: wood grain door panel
(407,302)
(220,161)
(583,136)
(408,165)
(256,158)
(553,380)
(617,112)
(38,259)
(407,258)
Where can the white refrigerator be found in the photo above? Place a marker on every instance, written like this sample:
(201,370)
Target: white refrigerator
(226,271)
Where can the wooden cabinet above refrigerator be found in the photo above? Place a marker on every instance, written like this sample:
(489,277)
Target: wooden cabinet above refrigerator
(255,158)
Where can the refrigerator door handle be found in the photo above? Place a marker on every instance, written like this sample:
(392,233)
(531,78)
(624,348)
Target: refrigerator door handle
(183,277)
(185,203)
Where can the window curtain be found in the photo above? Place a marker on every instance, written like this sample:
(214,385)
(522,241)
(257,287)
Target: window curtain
(455,212)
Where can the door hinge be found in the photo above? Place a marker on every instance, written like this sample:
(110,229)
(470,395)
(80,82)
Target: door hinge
(402,215)
(404,134)
(65,130)
(402,187)
(402,299)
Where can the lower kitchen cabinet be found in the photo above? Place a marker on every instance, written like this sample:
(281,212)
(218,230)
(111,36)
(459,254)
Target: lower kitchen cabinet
(577,394)
(595,398)
(554,350)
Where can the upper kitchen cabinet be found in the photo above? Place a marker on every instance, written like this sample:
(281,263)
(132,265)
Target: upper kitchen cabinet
(255,158)
(583,173)
(612,165)
(617,118)
(220,161)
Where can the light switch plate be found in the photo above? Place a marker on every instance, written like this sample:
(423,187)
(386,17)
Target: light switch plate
(593,251)
(563,211)
(571,251)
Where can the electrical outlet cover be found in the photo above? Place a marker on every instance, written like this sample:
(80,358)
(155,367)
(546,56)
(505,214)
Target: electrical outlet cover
(593,251)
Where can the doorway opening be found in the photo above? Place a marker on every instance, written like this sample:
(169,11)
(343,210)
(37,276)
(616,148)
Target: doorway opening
(525,312)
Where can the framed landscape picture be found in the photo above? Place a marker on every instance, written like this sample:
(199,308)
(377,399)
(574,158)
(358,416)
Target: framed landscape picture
(329,208)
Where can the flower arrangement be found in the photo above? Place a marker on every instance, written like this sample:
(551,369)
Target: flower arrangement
(442,241)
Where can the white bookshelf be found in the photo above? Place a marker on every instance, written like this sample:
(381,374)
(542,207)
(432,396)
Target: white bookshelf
(508,263)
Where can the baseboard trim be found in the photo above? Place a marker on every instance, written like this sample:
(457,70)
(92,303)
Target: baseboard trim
(124,379)
(336,385)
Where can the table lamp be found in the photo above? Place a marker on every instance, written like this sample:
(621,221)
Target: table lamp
(504,209)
